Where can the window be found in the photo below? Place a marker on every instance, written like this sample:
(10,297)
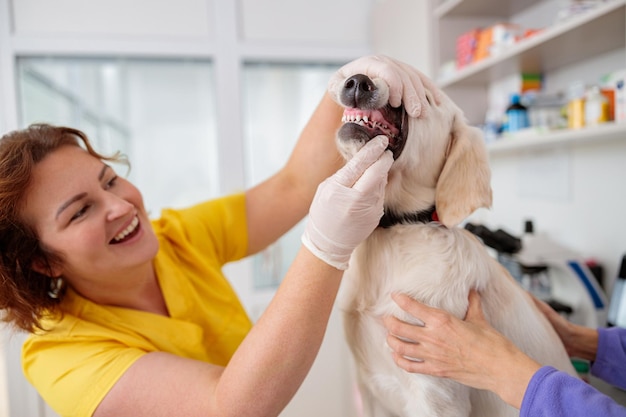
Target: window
(142,107)
(278,101)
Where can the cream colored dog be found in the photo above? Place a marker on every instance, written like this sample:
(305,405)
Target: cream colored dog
(439,177)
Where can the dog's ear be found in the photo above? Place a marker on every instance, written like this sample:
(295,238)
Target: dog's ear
(464,184)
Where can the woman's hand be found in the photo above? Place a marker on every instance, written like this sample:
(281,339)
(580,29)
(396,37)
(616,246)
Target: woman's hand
(406,84)
(468,351)
(348,205)
(579,341)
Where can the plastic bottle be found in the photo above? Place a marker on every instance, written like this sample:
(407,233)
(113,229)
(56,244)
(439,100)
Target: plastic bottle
(516,115)
(576,113)
(491,126)
(596,107)
(576,105)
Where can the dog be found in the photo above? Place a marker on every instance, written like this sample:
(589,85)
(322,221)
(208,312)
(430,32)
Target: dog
(439,177)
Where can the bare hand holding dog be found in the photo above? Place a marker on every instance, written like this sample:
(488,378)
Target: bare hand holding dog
(579,341)
(406,84)
(469,351)
(348,205)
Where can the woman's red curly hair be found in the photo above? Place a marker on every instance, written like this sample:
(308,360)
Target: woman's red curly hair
(25,293)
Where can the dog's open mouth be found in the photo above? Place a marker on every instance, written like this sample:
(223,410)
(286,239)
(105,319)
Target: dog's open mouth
(363,125)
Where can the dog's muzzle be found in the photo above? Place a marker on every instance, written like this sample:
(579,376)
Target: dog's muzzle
(359,91)
(368,114)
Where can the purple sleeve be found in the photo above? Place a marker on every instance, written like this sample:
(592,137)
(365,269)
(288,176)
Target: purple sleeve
(610,363)
(552,393)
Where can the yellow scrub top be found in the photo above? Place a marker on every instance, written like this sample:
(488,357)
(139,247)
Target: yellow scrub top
(80,357)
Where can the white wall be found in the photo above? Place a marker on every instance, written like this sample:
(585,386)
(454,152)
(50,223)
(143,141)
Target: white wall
(573,194)
(186,18)
(402,29)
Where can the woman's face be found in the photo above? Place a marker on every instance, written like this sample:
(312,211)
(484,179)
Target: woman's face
(81,209)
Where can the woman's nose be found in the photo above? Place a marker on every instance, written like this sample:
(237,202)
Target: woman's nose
(117,207)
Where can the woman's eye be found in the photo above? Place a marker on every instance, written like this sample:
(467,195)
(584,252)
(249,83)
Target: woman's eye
(110,183)
(80,213)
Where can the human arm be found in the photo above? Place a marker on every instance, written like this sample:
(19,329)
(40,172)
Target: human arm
(277,204)
(552,393)
(579,341)
(468,351)
(471,352)
(272,361)
(407,85)
(605,348)
(263,374)
(610,362)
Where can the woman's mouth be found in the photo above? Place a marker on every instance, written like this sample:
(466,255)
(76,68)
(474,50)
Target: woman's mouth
(131,230)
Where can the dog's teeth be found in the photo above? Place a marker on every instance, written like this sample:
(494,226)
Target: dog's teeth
(343,119)
(365,119)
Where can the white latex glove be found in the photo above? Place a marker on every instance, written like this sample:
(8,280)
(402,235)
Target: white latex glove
(406,84)
(348,205)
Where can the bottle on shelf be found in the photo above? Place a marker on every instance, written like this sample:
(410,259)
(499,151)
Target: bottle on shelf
(596,107)
(491,128)
(576,105)
(516,115)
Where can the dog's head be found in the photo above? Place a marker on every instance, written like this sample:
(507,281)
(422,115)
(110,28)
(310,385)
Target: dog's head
(439,160)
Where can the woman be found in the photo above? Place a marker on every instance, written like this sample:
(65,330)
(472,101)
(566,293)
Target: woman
(473,353)
(134,318)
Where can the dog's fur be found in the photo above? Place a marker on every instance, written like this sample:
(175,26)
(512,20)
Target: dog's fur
(442,162)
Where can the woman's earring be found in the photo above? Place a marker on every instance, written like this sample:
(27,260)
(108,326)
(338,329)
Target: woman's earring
(56,284)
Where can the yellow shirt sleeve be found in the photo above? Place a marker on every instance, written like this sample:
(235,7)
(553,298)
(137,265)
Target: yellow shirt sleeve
(76,362)
(77,373)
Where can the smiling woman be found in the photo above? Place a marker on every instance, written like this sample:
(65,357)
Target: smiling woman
(27,298)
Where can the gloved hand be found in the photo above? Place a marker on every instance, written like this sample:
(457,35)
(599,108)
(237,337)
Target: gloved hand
(348,205)
(406,84)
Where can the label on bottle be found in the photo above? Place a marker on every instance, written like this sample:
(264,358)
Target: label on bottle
(517,119)
(596,111)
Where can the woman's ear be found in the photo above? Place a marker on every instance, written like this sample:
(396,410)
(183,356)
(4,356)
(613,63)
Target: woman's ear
(44,268)
(464,184)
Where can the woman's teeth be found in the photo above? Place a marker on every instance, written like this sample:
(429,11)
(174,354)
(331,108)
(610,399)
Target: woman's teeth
(131,227)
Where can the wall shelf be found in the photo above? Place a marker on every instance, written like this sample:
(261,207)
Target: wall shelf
(501,8)
(536,141)
(554,47)
(557,178)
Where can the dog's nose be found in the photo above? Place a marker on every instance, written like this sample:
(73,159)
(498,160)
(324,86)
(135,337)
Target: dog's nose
(358,91)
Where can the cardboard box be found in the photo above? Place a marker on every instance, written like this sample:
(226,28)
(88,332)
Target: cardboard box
(466,47)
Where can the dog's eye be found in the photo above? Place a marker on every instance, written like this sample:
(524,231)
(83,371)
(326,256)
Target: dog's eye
(429,98)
